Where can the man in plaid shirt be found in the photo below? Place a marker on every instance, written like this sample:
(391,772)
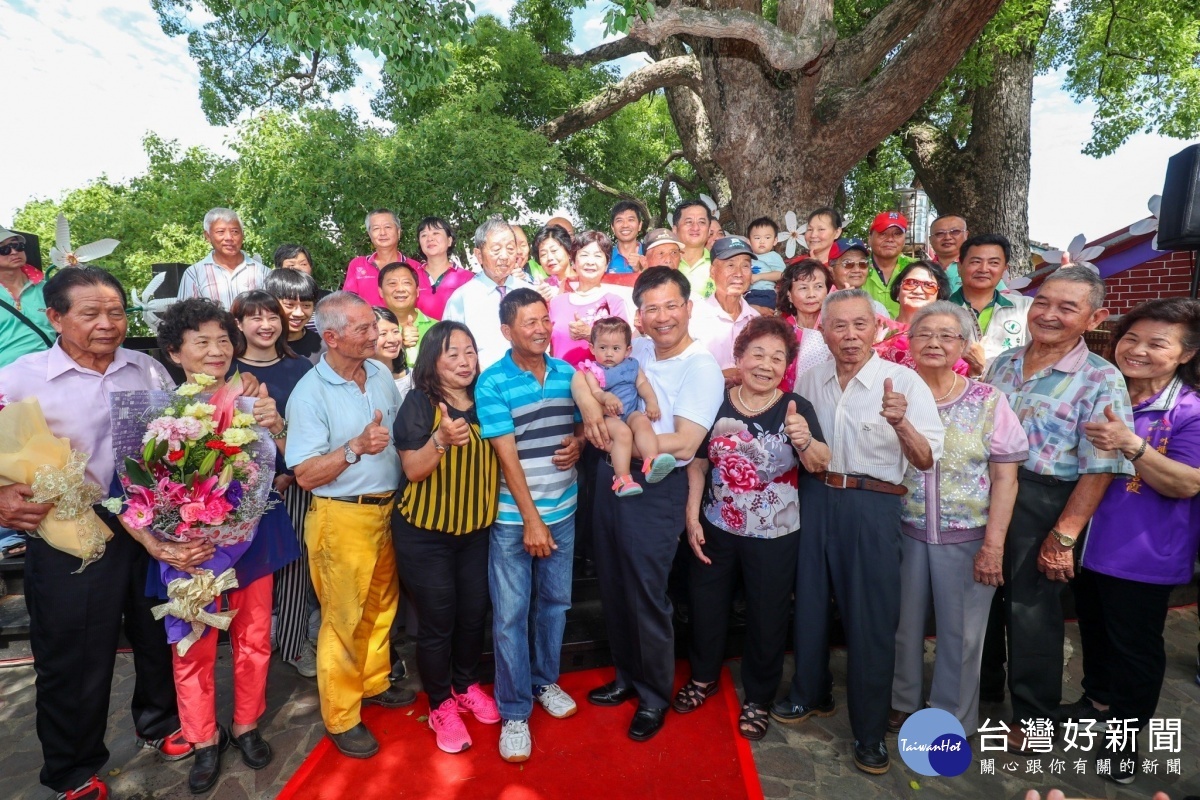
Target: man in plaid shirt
(226,271)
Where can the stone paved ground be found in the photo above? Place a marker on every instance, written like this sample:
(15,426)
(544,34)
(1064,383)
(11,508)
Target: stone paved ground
(812,760)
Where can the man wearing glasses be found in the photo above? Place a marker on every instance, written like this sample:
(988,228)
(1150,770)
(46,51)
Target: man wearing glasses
(946,235)
(24,327)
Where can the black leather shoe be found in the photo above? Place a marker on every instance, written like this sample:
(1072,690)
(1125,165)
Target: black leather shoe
(872,758)
(255,750)
(646,722)
(206,766)
(610,694)
(392,697)
(356,742)
(789,713)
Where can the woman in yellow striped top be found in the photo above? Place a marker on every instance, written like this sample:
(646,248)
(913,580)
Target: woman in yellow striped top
(440,527)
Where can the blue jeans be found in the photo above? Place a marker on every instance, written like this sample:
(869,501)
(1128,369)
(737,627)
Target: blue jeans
(530,598)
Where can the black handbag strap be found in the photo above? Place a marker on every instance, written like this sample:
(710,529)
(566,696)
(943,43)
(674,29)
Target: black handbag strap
(32,325)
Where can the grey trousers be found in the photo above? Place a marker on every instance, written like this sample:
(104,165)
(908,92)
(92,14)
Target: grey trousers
(945,574)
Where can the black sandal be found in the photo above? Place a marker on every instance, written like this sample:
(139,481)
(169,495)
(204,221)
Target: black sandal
(753,721)
(692,695)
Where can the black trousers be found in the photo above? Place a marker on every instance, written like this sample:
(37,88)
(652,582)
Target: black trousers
(850,547)
(75,623)
(447,578)
(1033,614)
(767,567)
(1121,629)
(634,539)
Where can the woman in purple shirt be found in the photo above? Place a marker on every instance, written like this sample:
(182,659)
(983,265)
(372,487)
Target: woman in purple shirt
(1144,535)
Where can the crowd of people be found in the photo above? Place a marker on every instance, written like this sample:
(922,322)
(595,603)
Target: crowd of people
(850,428)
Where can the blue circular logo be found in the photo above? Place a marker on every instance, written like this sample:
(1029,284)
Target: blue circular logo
(932,742)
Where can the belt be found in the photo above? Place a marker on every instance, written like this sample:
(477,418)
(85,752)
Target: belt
(365,499)
(837,480)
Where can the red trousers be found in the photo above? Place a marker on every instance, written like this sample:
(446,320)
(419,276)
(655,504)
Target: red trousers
(195,673)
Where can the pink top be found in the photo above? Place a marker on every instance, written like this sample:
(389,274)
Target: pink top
(895,349)
(362,278)
(432,299)
(565,309)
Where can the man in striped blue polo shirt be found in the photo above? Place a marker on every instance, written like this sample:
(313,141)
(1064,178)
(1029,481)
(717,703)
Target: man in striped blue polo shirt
(526,411)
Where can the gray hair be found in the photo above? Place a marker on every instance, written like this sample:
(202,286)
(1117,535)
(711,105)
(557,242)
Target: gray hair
(331,311)
(489,227)
(944,308)
(843,295)
(375,213)
(1077,273)
(220,215)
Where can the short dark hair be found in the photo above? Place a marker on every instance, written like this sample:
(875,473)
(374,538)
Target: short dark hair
(515,300)
(555,232)
(801,270)
(286,251)
(834,215)
(758,327)
(586,238)
(435,342)
(983,240)
(1172,310)
(611,325)
(654,277)
(189,315)
(937,272)
(440,224)
(291,284)
(395,265)
(763,222)
(254,302)
(628,205)
(57,291)
(685,205)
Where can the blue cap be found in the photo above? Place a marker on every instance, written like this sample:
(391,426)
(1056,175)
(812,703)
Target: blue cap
(729,246)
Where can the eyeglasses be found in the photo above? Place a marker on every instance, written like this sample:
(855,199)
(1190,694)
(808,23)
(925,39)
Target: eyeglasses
(9,249)
(913,284)
(925,337)
(853,264)
(953,232)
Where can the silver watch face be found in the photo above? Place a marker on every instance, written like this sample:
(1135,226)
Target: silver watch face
(351,456)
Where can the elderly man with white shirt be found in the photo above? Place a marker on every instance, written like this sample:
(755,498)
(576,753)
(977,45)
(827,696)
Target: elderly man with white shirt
(717,320)
(476,303)
(226,271)
(877,417)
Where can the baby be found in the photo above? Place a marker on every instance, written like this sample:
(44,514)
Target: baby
(616,381)
(767,267)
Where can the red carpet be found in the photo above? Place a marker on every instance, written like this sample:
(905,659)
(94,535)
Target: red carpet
(697,756)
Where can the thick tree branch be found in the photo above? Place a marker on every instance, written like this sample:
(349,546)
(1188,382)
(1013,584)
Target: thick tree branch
(603,188)
(783,51)
(855,58)
(608,51)
(673,155)
(676,71)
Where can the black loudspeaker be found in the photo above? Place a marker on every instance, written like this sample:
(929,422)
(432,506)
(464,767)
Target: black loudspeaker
(1179,219)
(170,287)
(33,253)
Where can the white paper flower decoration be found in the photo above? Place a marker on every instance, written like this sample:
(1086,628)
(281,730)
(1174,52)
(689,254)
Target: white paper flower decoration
(793,233)
(1150,223)
(61,255)
(1076,254)
(713,209)
(151,307)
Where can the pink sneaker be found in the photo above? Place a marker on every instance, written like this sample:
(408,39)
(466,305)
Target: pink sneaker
(478,703)
(452,736)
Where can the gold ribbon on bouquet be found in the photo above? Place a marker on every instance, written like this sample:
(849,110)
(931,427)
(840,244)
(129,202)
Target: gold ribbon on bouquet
(73,496)
(187,598)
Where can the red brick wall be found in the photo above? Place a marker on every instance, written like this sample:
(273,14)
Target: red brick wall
(1170,275)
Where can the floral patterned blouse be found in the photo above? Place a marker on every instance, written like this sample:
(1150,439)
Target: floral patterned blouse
(751,486)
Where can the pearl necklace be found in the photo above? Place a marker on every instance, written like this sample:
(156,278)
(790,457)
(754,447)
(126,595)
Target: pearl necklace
(760,409)
(953,386)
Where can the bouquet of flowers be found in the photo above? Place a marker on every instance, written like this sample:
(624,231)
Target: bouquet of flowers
(194,468)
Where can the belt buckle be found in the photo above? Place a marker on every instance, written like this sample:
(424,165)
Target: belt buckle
(838,482)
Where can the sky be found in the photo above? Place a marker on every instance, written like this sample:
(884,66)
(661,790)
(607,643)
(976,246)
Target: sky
(92,78)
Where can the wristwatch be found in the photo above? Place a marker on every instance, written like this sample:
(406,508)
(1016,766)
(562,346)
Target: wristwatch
(1062,538)
(351,456)
(441,448)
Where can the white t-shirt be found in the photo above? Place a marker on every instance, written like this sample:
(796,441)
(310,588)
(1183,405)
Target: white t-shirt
(689,385)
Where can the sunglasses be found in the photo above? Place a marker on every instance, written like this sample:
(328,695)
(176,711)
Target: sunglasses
(9,249)
(912,285)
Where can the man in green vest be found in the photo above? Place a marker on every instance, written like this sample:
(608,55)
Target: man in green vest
(887,242)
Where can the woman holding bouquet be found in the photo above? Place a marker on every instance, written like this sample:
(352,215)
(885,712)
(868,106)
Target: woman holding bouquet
(200,337)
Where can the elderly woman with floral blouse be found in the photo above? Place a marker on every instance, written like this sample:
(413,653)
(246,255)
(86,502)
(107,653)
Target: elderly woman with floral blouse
(954,519)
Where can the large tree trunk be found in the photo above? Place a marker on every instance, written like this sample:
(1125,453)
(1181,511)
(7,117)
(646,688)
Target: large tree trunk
(987,179)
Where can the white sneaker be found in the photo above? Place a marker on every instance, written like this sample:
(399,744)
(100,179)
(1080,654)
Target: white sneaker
(557,703)
(515,742)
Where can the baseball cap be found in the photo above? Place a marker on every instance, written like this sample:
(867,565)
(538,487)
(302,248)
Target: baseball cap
(889,219)
(660,236)
(5,233)
(729,246)
(844,246)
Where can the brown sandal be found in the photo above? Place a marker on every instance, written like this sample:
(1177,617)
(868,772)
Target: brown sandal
(753,721)
(692,695)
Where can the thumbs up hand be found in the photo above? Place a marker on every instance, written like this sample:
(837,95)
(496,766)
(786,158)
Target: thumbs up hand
(796,428)
(374,438)
(409,336)
(452,432)
(265,412)
(894,404)
(1112,434)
